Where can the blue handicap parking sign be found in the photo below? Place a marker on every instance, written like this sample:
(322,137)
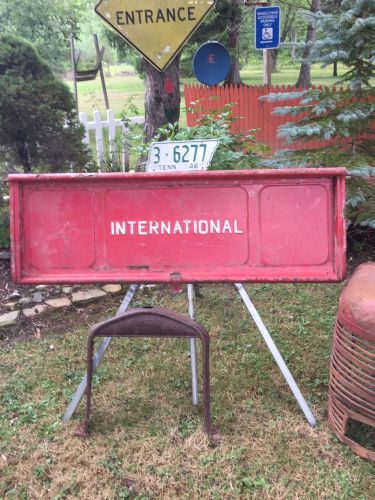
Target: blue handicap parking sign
(267,27)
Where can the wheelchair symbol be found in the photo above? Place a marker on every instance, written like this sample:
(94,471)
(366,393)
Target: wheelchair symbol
(267,33)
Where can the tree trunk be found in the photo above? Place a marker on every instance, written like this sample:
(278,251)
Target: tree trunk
(234,24)
(293,39)
(288,20)
(24,158)
(334,73)
(162,97)
(304,78)
(274,53)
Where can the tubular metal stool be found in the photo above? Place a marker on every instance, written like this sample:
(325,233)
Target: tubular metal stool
(352,370)
(150,322)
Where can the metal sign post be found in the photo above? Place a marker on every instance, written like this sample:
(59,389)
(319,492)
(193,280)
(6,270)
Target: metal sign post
(267,36)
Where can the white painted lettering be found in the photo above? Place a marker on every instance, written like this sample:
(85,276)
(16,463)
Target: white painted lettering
(154,227)
(142,227)
(236,230)
(215,226)
(132,223)
(185,226)
(177,228)
(227,227)
(203,227)
(120,228)
(165,227)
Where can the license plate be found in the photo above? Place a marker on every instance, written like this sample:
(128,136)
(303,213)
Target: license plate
(176,156)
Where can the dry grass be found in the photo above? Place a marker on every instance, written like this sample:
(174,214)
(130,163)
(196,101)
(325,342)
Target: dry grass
(146,439)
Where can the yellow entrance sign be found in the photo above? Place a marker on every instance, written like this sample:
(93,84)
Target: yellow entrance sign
(156,28)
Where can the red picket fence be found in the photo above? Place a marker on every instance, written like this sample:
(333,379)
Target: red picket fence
(252,112)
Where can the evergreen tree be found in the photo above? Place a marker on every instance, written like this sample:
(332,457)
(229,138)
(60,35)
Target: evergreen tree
(39,129)
(343,120)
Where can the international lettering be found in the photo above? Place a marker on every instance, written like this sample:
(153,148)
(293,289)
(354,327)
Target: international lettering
(165,227)
(148,16)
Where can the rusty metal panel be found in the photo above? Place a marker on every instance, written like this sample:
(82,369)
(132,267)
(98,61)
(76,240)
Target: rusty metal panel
(153,322)
(227,226)
(352,367)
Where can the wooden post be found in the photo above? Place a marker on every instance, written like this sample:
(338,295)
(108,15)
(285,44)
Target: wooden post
(99,138)
(74,69)
(99,58)
(83,119)
(266,67)
(112,136)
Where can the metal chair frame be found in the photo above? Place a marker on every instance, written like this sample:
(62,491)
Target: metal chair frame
(152,323)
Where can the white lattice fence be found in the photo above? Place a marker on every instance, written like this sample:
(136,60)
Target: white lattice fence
(111,124)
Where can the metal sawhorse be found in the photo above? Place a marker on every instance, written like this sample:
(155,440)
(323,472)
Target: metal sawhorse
(259,323)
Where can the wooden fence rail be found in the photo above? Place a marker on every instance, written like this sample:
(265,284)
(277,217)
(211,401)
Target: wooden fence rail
(252,112)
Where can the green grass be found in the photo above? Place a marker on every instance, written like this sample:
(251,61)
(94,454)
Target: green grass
(121,86)
(146,440)
(120,90)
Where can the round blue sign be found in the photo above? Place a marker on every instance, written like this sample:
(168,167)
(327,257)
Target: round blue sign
(211,63)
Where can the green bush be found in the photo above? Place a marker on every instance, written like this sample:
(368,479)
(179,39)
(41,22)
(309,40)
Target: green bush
(235,150)
(4,215)
(39,129)
(4,227)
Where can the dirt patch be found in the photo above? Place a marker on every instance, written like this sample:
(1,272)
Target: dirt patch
(361,247)
(52,322)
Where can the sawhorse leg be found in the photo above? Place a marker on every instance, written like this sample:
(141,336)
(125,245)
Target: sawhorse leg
(193,352)
(276,354)
(98,357)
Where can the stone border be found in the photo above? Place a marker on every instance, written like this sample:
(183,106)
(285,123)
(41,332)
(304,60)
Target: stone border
(41,303)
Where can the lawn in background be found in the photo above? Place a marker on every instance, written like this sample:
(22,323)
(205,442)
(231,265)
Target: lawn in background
(123,84)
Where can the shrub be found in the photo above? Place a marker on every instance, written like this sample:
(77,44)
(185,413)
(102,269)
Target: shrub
(39,129)
(4,215)
(344,118)
(235,150)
